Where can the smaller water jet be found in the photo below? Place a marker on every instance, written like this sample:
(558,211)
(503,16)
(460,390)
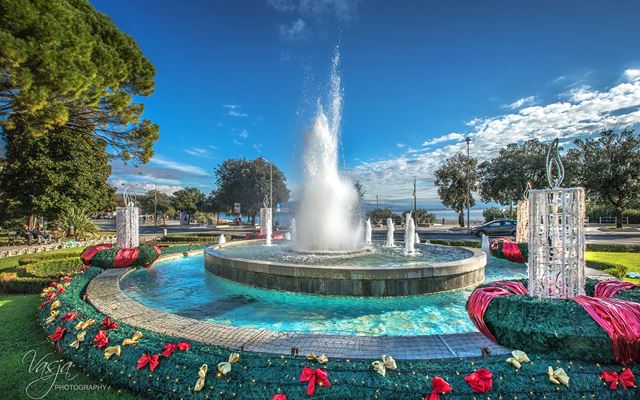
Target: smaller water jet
(409,235)
(367,231)
(292,228)
(390,229)
(485,245)
(222,239)
(417,238)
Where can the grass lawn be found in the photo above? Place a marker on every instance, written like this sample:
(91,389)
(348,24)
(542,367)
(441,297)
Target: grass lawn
(630,260)
(20,334)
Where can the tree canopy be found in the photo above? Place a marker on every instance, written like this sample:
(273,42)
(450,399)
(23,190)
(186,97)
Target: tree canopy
(188,200)
(247,182)
(452,179)
(610,168)
(49,174)
(64,64)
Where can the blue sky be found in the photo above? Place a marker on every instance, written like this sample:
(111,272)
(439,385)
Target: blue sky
(242,78)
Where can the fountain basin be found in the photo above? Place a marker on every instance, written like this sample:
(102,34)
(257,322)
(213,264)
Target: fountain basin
(366,276)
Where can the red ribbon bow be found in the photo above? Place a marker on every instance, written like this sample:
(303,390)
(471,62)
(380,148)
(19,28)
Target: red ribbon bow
(58,334)
(53,284)
(107,324)
(279,396)
(61,290)
(67,278)
(82,268)
(312,376)
(101,339)
(146,358)
(480,381)
(169,348)
(625,378)
(438,386)
(70,316)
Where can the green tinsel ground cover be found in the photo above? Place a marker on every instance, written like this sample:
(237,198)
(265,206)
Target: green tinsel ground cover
(556,326)
(260,376)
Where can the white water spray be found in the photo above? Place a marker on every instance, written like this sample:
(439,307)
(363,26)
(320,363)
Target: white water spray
(485,245)
(417,238)
(409,235)
(292,228)
(367,231)
(328,201)
(221,239)
(390,229)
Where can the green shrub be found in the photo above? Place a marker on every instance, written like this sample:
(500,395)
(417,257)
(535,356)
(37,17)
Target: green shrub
(493,213)
(613,248)
(11,283)
(52,268)
(50,255)
(463,243)
(195,238)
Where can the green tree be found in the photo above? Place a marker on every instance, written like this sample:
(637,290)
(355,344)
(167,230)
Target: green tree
(456,178)
(156,202)
(380,215)
(47,175)
(212,204)
(504,179)
(248,182)
(188,200)
(62,63)
(610,168)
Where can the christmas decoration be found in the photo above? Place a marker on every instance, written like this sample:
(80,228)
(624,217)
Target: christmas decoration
(322,359)
(147,358)
(313,376)
(558,376)
(382,366)
(133,340)
(625,379)
(202,374)
(438,386)
(518,358)
(112,350)
(480,381)
(225,367)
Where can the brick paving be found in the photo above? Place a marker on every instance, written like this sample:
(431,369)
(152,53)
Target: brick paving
(105,295)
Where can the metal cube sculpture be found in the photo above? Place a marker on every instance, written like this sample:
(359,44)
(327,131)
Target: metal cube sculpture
(556,236)
(127,224)
(522,225)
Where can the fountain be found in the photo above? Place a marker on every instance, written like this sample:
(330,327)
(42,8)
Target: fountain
(485,245)
(390,230)
(331,250)
(409,236)
(221,239)
(417,238)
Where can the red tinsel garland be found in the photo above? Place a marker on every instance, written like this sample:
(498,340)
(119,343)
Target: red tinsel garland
(610,288)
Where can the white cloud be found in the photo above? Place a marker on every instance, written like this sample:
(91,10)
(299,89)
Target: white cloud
(525,101)
(400,145)
(295,31)
(257,147)
(196,151)
(446,138)
(234,111)
(342,10)
(184,168)
(581,111)
(632,74)
(243,134)
(142,187)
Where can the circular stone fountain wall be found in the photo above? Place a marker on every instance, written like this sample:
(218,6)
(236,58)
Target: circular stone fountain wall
(346,280)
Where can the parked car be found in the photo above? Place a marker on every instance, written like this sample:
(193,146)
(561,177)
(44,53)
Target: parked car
(501,227)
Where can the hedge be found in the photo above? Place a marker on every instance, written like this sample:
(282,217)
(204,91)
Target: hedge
(11,283)
(52,268)
(617,270)
(463,243)
(50,255)
(613,248)
(194,238)
(261,375)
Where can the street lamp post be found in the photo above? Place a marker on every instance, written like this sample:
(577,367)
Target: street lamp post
(468,140)
(155,200)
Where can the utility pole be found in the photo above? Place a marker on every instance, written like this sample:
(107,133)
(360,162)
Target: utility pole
(414,196)
(155,200)
(377,203)
(271,187)
(468,140)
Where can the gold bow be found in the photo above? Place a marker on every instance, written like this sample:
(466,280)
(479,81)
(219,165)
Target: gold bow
(52,317)
(558,376)
(134,339)
(84,325)
(202,373)
(111,350)
(381,367)
(225,367)
(47,290)
(79,338)
(55,305)
(322,359)
(518,358)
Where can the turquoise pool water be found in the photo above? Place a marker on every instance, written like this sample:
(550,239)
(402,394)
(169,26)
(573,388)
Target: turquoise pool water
(183,287)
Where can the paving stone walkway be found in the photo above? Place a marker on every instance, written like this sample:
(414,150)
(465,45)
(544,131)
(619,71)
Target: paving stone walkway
(105,295)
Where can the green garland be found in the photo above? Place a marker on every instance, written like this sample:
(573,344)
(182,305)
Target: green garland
(497,251)
(105,258)
(260,376)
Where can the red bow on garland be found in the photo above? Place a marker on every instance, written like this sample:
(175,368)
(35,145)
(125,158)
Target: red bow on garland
(438,386)
(61,290)
(146,358)
(169,348)
(312,376)
(82,268)
(67,278)
(53,284)
(480,381)
(58,334)
(70,316)
(101,339)
(625,378)
(107,324)
(279,396)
